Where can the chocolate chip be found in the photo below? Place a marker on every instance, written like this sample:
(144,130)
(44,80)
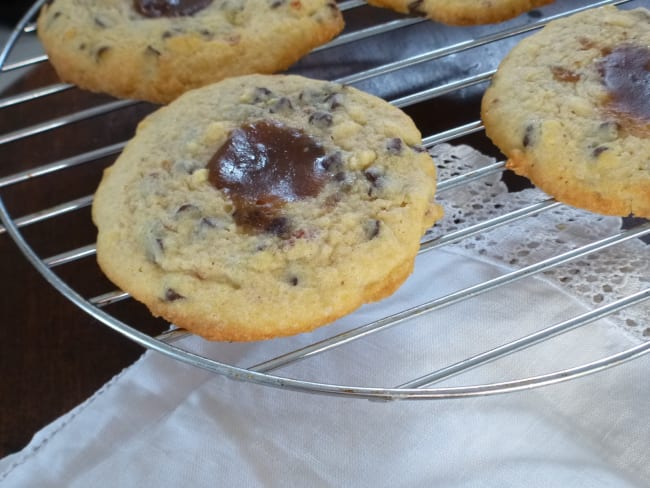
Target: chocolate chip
(186,207)
(372,175)
(207,34)
(293,281)
(261,94)
(394,146)
(277,3)
(529,136)
(282,105)
(153,50)
(322,120)
(314,97)
(334,100)
(344,180)
(169,8)
(172,295)
(100,23)
(608,131)
(598,151)
(280,226)
(155,247)
(210,222)
(371,228)
(332,162)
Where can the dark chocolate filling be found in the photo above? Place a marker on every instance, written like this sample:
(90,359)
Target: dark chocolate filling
(169,8)
(263,165)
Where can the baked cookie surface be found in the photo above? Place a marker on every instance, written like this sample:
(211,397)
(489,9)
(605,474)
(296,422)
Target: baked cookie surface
(576,120)
(264,206)
(155,50)
(462,12)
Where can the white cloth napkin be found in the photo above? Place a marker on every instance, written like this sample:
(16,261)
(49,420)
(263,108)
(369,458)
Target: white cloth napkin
(162,423)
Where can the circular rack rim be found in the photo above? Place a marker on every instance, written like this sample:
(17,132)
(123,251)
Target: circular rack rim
(406,391)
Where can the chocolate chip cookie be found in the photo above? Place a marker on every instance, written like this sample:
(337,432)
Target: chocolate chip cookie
(576,120)
(265,205)
(462,12)
(157,49)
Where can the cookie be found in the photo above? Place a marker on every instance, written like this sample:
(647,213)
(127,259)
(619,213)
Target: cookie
(155,50)
(462,12)
(575,119)
(264,206)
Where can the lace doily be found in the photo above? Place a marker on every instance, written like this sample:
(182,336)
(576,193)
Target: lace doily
(596,279)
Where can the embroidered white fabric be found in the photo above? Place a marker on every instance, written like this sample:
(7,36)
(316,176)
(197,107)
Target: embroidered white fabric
(596,279)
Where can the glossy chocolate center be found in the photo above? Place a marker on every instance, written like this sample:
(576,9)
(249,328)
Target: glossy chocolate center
(169,8)
(626,75)
(262,166)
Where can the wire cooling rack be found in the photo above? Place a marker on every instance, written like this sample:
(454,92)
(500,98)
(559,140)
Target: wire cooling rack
(436,73)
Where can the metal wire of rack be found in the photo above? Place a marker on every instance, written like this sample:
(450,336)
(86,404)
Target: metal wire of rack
(374,77)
